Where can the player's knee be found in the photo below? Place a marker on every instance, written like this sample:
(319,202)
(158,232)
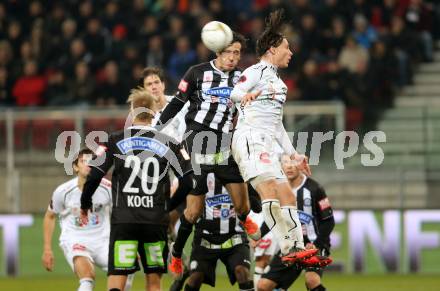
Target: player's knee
(196,280)
(242,274)
(312,281)
(265,285)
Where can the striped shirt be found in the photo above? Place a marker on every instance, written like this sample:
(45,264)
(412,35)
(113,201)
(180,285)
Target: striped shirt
(208,90)
(219,221)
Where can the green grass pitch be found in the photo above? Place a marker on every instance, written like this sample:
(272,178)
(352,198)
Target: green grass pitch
(33,277)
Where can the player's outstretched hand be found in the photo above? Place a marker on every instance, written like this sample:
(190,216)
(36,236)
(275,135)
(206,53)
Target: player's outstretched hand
(302,162)
(249,97)
(48,260)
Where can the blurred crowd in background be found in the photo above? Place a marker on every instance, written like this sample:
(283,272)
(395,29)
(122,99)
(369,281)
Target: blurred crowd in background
(82,53)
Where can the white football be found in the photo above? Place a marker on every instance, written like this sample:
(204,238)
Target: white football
(216,36)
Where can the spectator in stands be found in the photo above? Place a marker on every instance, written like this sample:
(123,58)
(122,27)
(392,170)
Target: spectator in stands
(310,38)
(98,41)
(113,89)
(334,81)
(57,93)
(381,63)
(403,43)
(418,17)
(15,36)
(85,12)
(6,54)
(352,56)
(310,83)
(83,86)
(5,88)
(30,88)
(155,56)
(336,39)
(363,33)
(182,58)
(77,53)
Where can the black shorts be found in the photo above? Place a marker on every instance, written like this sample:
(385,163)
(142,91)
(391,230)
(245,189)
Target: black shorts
(284,276)
(128,242)
(211,153)
(205,261)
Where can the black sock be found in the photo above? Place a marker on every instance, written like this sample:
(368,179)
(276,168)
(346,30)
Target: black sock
(246,286)
(318,288)
(189,288)
(115,289)
(184,232)
(243,217)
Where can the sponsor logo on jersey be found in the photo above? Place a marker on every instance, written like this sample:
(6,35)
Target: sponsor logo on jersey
(221,92)
(78,247)
(324,203)
(183,86)
(142,143)
(218,200)
(304,218)
(264,158)
(242,79)
(223,213)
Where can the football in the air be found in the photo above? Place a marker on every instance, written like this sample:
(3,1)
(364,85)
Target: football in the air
(216,36)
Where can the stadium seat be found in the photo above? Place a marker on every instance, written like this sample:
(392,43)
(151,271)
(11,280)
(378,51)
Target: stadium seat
(118,123)
(21,134)
(42,130)
(92,124)
(2,134)
(353,118)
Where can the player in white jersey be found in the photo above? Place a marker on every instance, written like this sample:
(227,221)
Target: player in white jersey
(153,81)
(262,94)
(84,245)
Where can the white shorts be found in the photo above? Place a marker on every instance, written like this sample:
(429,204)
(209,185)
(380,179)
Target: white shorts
(96,251)
(254,152)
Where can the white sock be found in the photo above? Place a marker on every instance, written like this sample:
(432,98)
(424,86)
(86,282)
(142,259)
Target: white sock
(274,220)
(258,272)
(86,284)
(290,214)
(129,282)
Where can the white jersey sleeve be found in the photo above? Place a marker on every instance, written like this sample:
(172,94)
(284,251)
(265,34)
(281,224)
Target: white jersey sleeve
(247,82)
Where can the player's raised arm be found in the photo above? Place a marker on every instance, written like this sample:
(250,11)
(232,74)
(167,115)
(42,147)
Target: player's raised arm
(99,167)
(185,89)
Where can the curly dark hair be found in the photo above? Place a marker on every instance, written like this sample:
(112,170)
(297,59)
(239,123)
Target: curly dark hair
(237,37)
(271,36)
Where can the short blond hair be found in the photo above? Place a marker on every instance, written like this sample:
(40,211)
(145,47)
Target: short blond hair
(139,98)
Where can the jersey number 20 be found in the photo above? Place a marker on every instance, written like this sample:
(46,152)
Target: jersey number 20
(135,163)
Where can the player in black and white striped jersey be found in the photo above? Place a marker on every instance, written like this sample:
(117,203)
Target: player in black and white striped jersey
(209,122)
(218,236)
